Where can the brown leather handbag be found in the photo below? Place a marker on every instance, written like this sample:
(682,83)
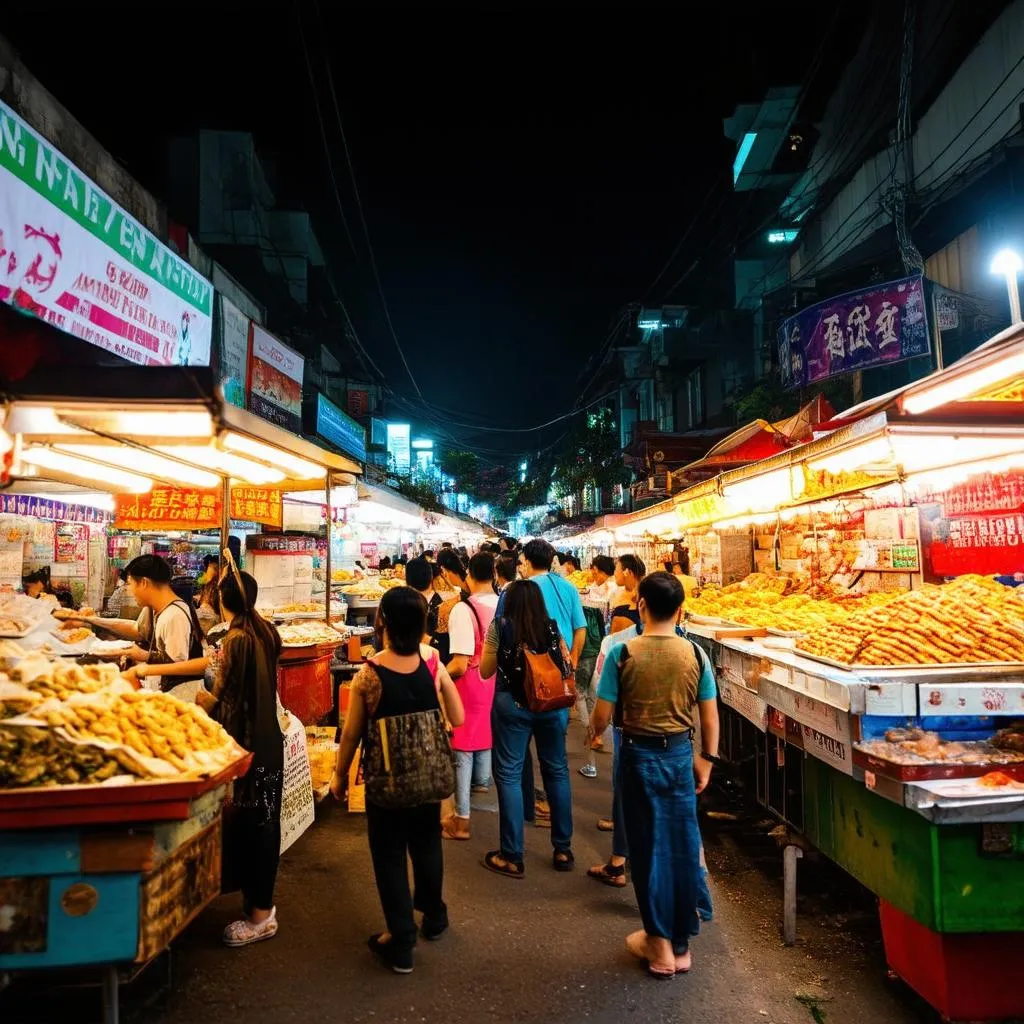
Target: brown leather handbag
(548,687)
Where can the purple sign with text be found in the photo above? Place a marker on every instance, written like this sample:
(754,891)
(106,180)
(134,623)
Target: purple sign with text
(879,325)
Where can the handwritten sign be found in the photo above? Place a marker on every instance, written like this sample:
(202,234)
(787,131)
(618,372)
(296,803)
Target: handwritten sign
(169,508)
(297,811)
(257,505)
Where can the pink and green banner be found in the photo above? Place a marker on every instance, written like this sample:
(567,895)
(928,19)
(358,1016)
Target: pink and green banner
(74,258)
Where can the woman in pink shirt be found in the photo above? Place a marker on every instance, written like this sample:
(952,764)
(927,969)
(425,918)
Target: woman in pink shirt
(467,627)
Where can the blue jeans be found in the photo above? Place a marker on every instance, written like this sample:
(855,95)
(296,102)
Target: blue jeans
(620,848)
(512,726)
(472,768)
(660,814)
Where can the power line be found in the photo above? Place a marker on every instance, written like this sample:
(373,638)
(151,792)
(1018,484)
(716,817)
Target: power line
(323,129)
(362,215)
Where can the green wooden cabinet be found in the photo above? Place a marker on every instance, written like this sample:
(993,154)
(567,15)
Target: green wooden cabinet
(938,874)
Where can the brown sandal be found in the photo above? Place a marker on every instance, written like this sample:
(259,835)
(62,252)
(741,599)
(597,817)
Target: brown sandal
(609,874)
(450,828)
(508,868)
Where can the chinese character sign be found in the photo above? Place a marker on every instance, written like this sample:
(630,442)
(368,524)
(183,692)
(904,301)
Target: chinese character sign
(982,544)
(257,505)
(884,324)
(169,508)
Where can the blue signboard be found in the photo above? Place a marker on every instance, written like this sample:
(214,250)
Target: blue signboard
(883,324)
(340,429)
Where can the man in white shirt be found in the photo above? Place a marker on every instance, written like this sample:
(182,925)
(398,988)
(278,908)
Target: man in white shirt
(169,625)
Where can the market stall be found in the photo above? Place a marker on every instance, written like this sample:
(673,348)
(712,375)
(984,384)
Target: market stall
(859,603)
(110,807)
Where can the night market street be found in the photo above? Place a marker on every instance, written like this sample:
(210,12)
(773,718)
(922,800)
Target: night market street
(549,948)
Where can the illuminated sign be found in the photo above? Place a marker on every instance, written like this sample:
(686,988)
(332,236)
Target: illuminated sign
(400,447)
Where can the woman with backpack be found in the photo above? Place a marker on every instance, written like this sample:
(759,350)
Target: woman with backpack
(395,712)
(524,643)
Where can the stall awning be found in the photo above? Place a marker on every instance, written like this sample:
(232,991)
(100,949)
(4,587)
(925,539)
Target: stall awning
(126,446)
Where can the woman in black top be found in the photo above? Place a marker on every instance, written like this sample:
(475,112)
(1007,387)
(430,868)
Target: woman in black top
(399,681)
(525,622)
(244,701)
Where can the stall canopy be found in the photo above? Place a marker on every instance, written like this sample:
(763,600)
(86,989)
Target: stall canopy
(129,446)
(966,416)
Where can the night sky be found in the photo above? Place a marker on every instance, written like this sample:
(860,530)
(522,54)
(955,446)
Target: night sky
(524,171)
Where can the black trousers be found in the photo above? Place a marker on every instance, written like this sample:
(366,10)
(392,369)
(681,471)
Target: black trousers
(395,835)
(252,842)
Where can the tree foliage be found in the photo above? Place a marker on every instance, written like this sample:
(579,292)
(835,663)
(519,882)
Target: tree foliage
(589,455)
(463,467)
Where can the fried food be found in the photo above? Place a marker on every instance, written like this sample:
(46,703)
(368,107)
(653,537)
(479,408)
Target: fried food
(762,600)
(39,757)
(150,725)
(917,746)
(972,619)
(305,634)
(58,681)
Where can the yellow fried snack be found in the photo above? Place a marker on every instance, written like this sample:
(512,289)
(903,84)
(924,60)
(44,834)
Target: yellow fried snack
(972,619)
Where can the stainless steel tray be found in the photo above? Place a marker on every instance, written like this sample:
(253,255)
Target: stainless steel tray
(965,670)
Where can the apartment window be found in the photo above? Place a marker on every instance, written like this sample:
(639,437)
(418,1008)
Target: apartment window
(694,398)
(665,413)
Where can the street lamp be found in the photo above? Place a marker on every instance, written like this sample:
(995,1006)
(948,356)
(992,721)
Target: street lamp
(1008,263)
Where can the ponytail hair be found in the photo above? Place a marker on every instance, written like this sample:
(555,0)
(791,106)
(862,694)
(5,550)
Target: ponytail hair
(238,593)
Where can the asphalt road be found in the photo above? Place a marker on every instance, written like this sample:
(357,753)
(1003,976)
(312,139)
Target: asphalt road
(548,948)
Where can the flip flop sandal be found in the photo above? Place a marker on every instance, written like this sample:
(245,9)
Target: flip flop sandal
(661,972)
(609,874)
(509,868)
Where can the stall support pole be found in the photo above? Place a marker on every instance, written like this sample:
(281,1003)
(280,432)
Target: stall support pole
(327,566)
(111,1010)
(790,855)
(225,521)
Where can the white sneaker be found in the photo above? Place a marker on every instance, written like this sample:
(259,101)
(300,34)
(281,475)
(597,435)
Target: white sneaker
(245,933)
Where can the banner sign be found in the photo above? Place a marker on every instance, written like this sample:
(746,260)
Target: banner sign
(856,331)
(56,511)
(275,381)
(990,545)
(979,494)
(77,260)
(358,402)
(257,505)
(400,447)
(169,508)
(281,545)
(339,429)
(234,352)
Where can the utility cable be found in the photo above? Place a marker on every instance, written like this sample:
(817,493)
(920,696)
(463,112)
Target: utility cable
(362,215)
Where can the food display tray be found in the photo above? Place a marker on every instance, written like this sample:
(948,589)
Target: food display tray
(151,800)
(913,672)
(924,771)
(359,602)
(709,620)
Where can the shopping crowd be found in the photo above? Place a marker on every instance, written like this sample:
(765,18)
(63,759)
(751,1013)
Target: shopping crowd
(480,660)
(494,669)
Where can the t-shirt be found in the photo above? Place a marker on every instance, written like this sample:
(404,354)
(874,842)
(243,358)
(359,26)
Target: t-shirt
(655,682)
(461,635)
(562,601)
(174,639)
